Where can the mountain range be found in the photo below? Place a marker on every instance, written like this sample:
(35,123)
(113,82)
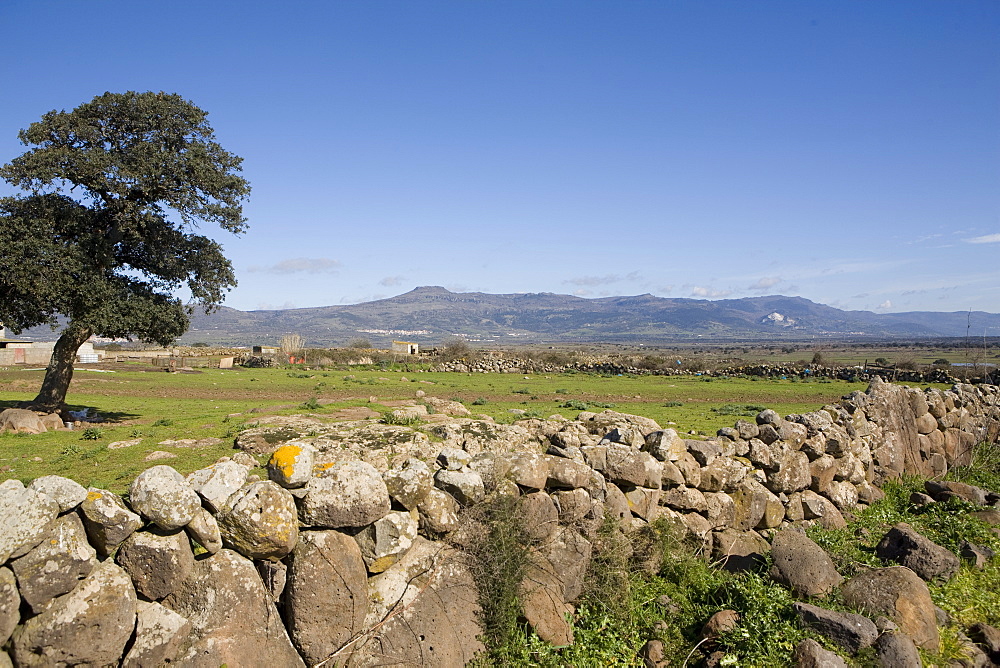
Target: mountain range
(430,315)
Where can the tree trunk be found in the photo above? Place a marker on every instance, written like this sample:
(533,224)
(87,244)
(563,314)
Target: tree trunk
(60,370)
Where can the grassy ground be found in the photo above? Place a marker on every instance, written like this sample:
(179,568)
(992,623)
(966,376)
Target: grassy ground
(137,402)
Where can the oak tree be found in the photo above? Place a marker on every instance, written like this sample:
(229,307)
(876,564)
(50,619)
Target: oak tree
(104,234)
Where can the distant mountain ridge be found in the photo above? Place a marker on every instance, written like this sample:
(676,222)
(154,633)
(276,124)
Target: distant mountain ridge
(429,315)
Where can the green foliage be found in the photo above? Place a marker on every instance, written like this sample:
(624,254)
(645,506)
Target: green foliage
(673,404)
(96,240)
(92,434)
(311,404)
(561,390)
(480,401)
(498,561)
(521,390)
(360,343)
(163,422)
(738,409)
(400,420)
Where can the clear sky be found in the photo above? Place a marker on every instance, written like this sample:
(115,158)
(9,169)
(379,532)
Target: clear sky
(847,152)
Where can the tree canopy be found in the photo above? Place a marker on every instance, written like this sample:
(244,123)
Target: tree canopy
(104,234)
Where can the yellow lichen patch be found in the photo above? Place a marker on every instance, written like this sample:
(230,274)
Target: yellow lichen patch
(94,495)
(284,459)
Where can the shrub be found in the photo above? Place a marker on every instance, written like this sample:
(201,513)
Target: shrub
(92,434)
(399,420)
(311,404)
(163,422)
(480,401)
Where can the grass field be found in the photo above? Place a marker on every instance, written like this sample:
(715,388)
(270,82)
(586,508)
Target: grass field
(140,403)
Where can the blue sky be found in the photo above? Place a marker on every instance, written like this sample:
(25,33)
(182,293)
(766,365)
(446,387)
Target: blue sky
(847,152)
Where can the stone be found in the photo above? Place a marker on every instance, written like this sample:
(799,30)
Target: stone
(326,594)
(988,638)
(162,496)
(437,625)
(793,473)
(842,494)
(453,459)
(25,516)
(439,512)
(906,547)
(822,470)
(720,509)
(615,503)
(274,575)
(204,529)
(739,550)
(572,504)
(529,469)
(665,445)
(896,650)
(350,494)
(976,555)
(409,482)
(810,654)
(750,501)
(704,452)
(57,564)
(21,421)
(386,590)
(157,562)
(850,631)
(466,486)
(233,620)
(10,603)
(802,565)
(567,557)
(627,435)
(158,632)
(107,521)
(88,626)
(899,594)
(67,493)
(724,621)
(943,489)
(539,516)
(216,483)
(568,474)
(684,499)
(291,465)
(384,541)
(259,521)
(632,467)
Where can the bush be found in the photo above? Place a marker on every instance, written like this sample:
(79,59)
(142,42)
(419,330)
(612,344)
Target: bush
(360,343)
(92,434)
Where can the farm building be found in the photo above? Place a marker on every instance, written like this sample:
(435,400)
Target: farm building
(405,348)
(20,351)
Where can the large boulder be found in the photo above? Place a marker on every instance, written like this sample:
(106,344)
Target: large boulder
(438,625)
(164,497)
(350,494)
(158,633)
(10,604)
(67,493)
(802,565)
(259,521)
(899,594)
(921,555)
(465,485)
(408,482)
(107,521)
(739,550)
(157,561)
(88,626)
(233,620)
(385,540)
(21,421)
(216,483)
(810,654)
(850,631)
(57,564)
(291,465)
(25,516)
(326,593)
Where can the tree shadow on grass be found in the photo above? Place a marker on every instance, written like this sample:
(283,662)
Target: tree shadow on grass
(105,416)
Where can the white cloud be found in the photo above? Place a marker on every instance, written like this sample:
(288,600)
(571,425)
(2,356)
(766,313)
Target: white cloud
(765,283)
(389,281)
(299,265)
(709,293)
(985,239)
(884,305)
(594,281)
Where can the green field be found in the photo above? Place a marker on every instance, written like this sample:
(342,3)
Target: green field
(137,402)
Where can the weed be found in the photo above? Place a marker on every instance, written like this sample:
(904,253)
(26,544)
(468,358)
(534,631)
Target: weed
(480,401)
(738,409)
(498,561)
(163,422)
(561,390)
(400,420)
(575,404)
(673,404)
(521,390)
(311,404)
(92,434)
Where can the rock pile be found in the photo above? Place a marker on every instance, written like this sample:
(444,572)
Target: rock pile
(351,551)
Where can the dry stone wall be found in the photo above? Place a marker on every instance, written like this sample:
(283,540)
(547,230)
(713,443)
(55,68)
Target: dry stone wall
(352,551)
